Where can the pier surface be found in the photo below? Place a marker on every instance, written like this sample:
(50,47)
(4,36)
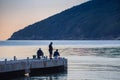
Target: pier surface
(32,66)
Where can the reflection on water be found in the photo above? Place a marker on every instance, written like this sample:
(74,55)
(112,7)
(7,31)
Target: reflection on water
(84,63)
(57,76)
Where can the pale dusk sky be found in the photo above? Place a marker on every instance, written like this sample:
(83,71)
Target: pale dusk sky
(17,14)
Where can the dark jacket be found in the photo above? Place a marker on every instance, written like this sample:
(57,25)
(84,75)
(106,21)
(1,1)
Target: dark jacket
(40,53)
(56,54)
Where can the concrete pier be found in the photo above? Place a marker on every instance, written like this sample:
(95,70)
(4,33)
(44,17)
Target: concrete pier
(32,66)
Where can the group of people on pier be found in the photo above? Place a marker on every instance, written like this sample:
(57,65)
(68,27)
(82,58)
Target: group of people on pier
(55,54)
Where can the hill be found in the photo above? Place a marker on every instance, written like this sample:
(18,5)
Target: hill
(93,20)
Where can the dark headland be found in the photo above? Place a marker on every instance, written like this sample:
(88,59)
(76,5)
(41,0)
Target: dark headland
(93,20)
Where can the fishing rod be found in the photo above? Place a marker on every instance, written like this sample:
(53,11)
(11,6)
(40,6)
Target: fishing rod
(61,51)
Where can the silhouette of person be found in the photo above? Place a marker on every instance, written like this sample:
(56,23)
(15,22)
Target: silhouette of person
(56,54)
(50,50)
(40,53)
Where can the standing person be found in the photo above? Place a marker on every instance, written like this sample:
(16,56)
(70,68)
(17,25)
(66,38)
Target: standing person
(50,50)
(40,53)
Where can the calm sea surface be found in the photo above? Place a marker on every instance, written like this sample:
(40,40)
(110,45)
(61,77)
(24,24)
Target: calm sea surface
(87,60)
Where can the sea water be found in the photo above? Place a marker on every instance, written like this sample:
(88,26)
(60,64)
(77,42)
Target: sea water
(87,59)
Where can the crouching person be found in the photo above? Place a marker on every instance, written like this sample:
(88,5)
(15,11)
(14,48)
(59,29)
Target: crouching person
(40,53)
(56,54)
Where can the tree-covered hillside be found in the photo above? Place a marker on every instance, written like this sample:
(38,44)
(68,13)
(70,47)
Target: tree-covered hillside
(95,19)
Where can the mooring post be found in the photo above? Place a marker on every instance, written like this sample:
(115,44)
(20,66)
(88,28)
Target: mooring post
(5,61)
(27,70)
(5,67)
(46,57)
(15,58)
(27,60)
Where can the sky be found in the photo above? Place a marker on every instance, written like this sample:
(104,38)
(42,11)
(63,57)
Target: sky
(17,14)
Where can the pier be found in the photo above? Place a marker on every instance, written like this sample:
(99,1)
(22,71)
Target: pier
(32,66)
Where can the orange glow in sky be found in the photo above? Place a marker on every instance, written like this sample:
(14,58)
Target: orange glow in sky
(17,14)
